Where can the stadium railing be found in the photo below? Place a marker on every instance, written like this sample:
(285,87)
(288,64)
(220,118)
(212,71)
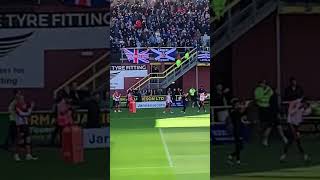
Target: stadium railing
(239,19)
(97,69)
(311,123)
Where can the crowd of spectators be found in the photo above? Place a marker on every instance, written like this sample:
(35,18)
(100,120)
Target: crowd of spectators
(169,23)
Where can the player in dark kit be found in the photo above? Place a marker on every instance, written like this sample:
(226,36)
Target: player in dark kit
(184,101)
(237,117)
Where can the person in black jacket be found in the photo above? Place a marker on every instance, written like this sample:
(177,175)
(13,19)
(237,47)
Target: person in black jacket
(184,100)
(237,116)
(93,107)
(293,91)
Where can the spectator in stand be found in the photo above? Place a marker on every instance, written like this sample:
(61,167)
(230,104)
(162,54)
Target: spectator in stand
(74,93)
(66,93)
(176,23)
(179,92)
(84,93)
(93,106)
(139,96)
(293,91)
(169,91)
(221,97)
(155,69)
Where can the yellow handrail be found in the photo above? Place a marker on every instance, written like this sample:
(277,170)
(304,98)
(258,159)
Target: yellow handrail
(163,74)
(105,69)
(81,72)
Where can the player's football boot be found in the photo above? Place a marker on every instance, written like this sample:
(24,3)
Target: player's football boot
(306,157)
(17,157)
(238,162)
(30,157)
(283,157)
(265,143)
(230,160)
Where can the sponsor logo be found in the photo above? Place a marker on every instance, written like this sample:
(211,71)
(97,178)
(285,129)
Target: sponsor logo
(150,104)
(45,20)
(96,138)
(9,44)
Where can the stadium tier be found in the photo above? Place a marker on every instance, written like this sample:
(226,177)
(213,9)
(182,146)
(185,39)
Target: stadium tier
(159,23)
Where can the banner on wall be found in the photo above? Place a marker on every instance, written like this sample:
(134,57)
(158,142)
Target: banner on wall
(204,56)
(150,104)
(96,138)
(43,124)
(25,37)
(221,133)
(164,54)
(119,73)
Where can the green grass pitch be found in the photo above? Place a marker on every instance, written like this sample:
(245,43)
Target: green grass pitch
(150,145)
(262,163)
(50,166)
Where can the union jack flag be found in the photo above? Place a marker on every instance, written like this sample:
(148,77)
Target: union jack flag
(136,57)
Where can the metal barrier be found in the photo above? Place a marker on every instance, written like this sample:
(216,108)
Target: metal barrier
(283,113)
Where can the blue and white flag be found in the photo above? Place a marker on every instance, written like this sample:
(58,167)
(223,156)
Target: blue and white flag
(204,56)
(165,54)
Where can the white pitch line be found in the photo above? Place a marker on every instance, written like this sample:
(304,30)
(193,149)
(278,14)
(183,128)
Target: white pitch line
(148,167)
(166,148)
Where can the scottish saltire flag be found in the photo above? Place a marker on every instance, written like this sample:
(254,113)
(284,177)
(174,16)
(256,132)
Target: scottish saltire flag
(165,54)
(137,57)
(204,56)
(87,3)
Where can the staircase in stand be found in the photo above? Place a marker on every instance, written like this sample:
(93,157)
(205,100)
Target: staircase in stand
(238,22)
(164,79)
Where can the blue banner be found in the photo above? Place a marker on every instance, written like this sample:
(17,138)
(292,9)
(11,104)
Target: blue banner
(222,134)
(177,104)
(204,56)
(164,54)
